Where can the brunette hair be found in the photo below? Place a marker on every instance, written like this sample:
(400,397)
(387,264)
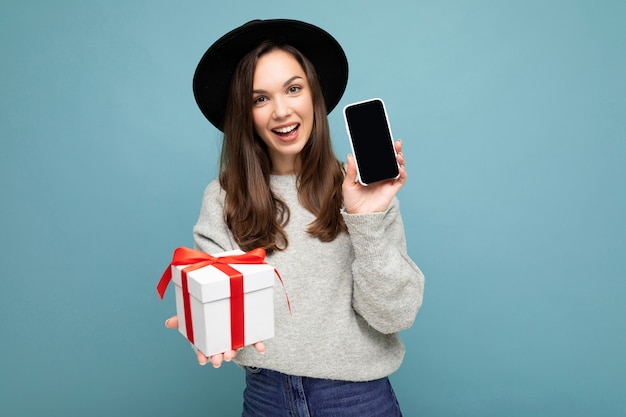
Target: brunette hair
(254,214)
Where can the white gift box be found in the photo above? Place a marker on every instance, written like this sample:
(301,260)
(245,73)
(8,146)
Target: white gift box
(209,300)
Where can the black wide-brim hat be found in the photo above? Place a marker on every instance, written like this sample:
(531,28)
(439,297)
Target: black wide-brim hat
(211,82)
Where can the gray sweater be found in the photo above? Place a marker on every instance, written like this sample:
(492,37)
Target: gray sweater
(349,297)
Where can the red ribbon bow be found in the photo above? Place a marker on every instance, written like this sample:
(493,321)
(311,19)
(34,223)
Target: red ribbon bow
(197,259)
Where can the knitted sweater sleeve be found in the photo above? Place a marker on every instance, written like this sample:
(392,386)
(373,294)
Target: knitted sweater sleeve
(211,235)
(388,286)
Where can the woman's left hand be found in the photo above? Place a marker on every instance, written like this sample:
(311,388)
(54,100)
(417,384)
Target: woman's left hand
(375,197)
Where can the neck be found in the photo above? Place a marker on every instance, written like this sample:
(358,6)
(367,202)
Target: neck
(286,167)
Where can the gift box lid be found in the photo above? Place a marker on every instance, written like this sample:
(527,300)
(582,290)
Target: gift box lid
(210,284)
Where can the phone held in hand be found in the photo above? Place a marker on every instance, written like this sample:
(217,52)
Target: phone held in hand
(371,140)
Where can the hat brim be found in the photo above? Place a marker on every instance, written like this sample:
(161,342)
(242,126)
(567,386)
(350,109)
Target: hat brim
(211,82)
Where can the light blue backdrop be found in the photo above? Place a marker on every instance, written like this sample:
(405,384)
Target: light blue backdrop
(513,117)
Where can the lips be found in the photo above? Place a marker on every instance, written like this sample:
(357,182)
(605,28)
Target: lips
(287,132)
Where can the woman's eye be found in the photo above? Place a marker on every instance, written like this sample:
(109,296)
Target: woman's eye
(294,88)
(259,100)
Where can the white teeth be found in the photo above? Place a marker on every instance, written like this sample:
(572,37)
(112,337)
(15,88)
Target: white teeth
(286,129)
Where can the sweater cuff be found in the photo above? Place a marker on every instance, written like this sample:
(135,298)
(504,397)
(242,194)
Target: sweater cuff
(366,231)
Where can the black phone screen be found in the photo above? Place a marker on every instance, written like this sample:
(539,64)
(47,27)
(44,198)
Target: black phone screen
(371,139)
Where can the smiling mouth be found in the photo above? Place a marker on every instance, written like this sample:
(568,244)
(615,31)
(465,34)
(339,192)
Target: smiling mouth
(287,130)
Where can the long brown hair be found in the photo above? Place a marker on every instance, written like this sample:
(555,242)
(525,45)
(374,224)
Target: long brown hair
(254,214)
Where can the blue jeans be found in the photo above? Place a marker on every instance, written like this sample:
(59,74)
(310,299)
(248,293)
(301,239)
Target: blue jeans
(273,394)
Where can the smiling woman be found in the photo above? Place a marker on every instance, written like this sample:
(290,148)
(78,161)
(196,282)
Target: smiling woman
(339,246)
(271,89)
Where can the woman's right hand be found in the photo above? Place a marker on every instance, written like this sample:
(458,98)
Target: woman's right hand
(217,359)
(375,198)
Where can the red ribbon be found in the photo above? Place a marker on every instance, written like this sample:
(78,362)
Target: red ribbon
(197,259)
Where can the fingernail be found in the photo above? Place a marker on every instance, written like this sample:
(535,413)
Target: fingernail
(167,322)
(202,363)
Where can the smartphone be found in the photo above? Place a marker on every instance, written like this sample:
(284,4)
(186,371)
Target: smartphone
(371,140)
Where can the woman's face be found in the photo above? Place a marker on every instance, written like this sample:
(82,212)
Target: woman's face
(282,109)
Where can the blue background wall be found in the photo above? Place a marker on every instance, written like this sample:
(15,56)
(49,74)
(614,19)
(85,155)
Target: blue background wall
(513,117)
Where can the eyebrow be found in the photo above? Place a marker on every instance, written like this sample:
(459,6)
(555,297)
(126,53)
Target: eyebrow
(285,84)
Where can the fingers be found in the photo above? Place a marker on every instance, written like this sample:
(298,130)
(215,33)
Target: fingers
(350,170)
(260,347)
(216,360)
(398,145)
(202,360)
(229,355)
(172,322)
(400,155)
(401,161)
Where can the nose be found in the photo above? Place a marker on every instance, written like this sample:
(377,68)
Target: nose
(281,108)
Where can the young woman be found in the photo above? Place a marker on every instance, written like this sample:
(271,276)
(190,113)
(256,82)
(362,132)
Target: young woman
(339,246)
